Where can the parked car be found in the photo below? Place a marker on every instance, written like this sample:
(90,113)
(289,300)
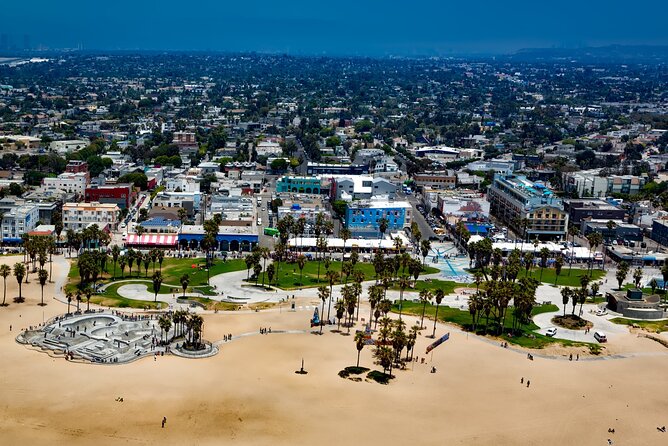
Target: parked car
(600,337)
(551,332)
(601,313)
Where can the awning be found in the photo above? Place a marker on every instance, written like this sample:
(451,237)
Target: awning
(152,240)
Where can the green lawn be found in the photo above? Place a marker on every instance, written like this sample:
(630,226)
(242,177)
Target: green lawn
(447,286)
(646,290)
(111,298)
(464,320)
(654,326)
(289,274)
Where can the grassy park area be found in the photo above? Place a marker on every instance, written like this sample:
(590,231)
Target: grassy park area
(565,279)
(289,274)
(448,286)
(653,326)
(463,318)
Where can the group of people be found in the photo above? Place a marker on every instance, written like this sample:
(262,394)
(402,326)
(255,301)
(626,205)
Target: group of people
(529,356)
(227,337)
(522,382)
(265,330)
(577,357)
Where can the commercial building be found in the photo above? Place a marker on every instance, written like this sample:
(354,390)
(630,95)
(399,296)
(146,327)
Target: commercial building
(77,216)
(363,217)
(302,185)
(336,169)
(619,231)
(445,179)
(236,239)
(18,220)
(514,199)
(660,231)
(121,194)
(361,187)
(582,208)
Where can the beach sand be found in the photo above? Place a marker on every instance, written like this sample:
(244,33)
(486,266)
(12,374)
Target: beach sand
(249,394)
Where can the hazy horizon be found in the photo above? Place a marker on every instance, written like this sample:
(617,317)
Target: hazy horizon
(370,28)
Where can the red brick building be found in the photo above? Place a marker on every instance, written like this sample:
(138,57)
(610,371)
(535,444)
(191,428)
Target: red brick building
(121,194)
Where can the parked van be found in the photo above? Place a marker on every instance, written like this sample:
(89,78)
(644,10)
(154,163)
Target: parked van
(600,337)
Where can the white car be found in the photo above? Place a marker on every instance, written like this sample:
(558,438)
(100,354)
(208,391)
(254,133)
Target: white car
(551,332)
(601,313)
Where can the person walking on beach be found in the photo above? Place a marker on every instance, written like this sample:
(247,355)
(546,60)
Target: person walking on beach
(164,420)
(528,383)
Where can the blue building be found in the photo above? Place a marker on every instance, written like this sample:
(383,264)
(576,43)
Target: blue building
(229,238)
(302,185)
(363,217)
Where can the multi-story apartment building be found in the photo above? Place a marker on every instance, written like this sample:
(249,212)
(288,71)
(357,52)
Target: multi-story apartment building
(445,179)
(74,183)
(588,183)
(18,220)
(363,217)
(514,199)
(77,216)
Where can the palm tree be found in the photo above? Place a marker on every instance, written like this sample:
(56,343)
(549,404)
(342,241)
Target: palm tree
(130,259)
(594,239)
(19,273)
(425,247)
(404,282)
(165,323)
(185,280)
(157,282)
(558,264)
(88,292)
(122,261)
(323,294)
(544,255)
(375,296)
(5,271)
(271,272)
(301,262)
(340,309)
(43,276)
(147,261)
(78,299)
(360,341)
(383,224)
(566,294)
(439,294)
(425,296)
(572,231)
(622,271)
(264,253)
(68,295)
(345,236)
(115,254)
(332,277)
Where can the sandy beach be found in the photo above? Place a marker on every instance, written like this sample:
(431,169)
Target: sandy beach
(249,394)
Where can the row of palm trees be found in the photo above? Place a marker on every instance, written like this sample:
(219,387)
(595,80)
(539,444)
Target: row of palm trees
(133,257)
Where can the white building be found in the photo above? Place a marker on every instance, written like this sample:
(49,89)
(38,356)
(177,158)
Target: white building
(68,146)
(74,183)
(77,216)
(19,220)
(268,148)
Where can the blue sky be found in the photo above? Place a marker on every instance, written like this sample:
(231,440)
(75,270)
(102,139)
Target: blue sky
(360,27)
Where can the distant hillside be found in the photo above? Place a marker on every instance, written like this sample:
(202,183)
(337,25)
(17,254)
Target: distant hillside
(602,54)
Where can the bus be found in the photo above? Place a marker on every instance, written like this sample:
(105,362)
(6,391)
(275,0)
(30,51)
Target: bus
(271,232)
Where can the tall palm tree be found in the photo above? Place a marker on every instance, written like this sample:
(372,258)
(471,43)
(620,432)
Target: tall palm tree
(323,294)
(558,264)
(115,254)
(383,224)
(301,262)
(544,255)
(360,341)
(88,292)
(122,261)
(425,297)
(594,239)
(185,280)
(19,273)
(157,282)
(332,277)
(425,247)
(68,295)
(5,271)
(439,294)
(345,236)
(43,276)
(404,282)
(375,296)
